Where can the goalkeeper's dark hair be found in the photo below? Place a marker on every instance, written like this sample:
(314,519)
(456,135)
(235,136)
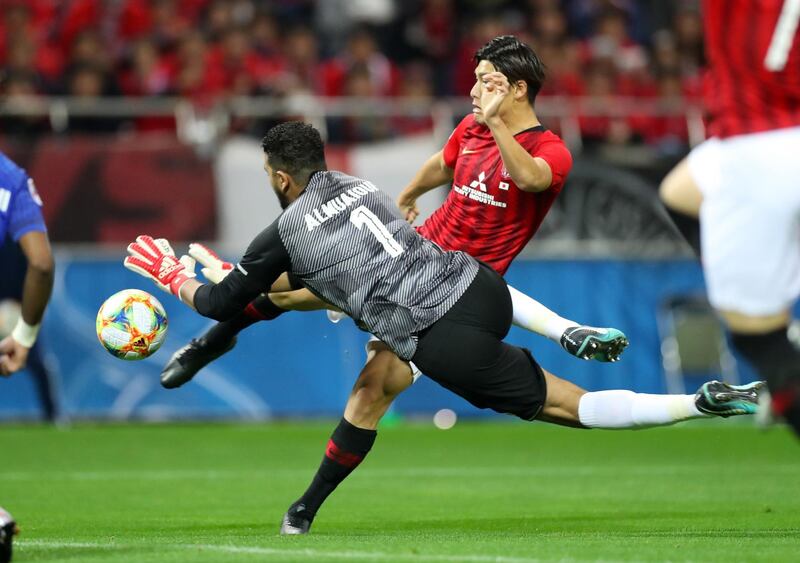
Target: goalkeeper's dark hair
(295,148)
(516,60)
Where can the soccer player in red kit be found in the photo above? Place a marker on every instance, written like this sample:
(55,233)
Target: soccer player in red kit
(504,182)
(736,196)
(506,171)
(442,310)
(488,213)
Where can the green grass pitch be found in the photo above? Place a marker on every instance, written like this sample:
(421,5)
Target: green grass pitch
(481,492)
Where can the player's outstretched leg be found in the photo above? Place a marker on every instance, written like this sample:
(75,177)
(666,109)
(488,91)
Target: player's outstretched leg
(218,340)
(584,342)
(569,405)
(383,378)
(346,449)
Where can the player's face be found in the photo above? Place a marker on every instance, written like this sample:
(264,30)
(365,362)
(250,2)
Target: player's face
(484,67)
(279,183)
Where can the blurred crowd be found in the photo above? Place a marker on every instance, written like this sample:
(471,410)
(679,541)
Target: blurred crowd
(208,50)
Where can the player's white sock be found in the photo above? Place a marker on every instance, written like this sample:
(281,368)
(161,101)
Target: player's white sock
(532,315)
(626,409)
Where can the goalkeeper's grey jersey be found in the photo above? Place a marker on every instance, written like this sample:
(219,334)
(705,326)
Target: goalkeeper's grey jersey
(346,241)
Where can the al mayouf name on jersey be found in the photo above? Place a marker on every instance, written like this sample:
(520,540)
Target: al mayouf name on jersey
(336,205)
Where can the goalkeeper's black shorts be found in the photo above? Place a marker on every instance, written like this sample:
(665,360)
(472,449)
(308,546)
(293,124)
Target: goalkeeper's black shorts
(464,352)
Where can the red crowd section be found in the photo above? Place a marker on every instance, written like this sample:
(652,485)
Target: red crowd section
(207,50)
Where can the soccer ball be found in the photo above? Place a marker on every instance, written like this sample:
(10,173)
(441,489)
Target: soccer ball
(131,324)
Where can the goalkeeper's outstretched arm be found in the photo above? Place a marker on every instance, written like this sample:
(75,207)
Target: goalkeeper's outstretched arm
(264,261)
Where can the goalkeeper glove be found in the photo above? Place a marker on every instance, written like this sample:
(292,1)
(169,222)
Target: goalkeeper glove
(214,268)
(156,260)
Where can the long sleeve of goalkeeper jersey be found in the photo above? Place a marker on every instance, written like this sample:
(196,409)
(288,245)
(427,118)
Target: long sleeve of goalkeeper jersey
(265,259)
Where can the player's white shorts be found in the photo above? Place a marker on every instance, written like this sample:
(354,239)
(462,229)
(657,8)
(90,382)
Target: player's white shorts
(415,372)
(750,220)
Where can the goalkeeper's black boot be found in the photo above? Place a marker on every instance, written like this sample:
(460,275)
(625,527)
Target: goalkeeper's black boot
(723,399)
(186,362)
(296,521)
(592,343)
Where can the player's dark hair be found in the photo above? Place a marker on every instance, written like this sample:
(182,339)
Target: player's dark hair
(516,60)
(296,148)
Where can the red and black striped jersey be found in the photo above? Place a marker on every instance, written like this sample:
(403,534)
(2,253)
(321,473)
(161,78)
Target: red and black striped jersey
(752,82)
(485,214)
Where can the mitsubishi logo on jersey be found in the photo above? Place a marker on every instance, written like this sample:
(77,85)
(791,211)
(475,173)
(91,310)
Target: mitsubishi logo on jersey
(477,191)
(479,182)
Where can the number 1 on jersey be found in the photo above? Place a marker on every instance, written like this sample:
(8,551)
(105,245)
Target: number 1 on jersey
(362,216)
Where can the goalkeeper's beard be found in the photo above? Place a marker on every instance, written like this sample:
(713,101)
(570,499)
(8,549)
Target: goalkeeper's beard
(281,198)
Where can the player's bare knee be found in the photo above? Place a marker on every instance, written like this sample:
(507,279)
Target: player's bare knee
(563,396)
(368,393)
(368,402)
(364,410)
(397,377)
(372,382)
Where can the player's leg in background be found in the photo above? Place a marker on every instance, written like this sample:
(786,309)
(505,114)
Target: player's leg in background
(682,199)
(475,364)
(569,405)
(765,342)
(584,342)
(383,378)
(750,220)
(464,352)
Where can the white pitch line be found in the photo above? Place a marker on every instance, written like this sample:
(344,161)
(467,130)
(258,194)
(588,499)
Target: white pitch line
(312,554)
(23,544)
(316,555)
(351,554)
(519,471)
